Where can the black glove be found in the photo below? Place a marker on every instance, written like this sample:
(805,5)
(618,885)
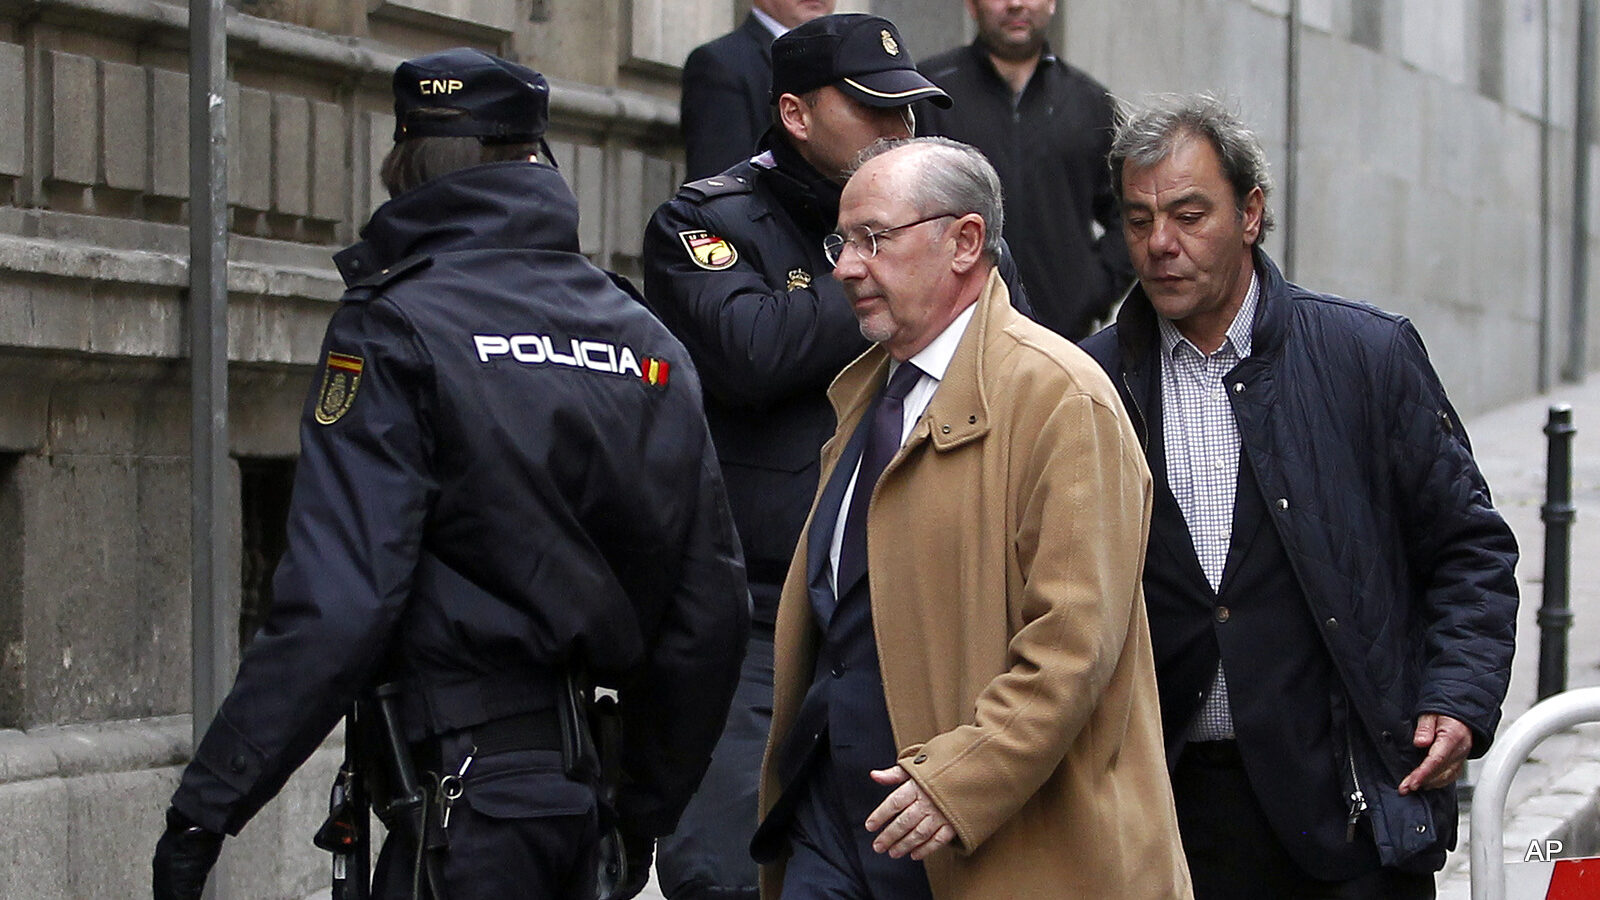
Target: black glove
(625,863)
(184,856)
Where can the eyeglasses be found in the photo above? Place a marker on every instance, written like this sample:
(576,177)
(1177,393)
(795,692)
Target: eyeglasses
(866,241)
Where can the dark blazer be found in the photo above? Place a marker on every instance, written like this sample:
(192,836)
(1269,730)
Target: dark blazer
(1284,703)
(725,108)
(846,687)
(1369,483)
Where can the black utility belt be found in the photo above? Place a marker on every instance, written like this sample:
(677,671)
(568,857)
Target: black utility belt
(539,730)
(430,709)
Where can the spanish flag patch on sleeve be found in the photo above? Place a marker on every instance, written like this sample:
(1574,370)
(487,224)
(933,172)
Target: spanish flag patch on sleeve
(654,371)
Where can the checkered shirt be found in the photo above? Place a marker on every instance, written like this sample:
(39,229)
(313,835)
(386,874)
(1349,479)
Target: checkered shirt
(1202,447)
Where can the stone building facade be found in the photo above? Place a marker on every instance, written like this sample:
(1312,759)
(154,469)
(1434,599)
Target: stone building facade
(1425,151)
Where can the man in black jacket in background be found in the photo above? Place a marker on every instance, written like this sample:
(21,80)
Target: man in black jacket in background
(1046,127)
(1331,592)
(724,106)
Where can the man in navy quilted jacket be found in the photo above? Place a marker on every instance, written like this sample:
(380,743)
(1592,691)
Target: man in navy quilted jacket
(1331,592)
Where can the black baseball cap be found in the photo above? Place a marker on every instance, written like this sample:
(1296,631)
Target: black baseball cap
(861,55)
(503,101)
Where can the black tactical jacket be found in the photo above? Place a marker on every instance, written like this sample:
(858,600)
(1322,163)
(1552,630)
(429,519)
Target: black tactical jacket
(1049,147)
(504,472)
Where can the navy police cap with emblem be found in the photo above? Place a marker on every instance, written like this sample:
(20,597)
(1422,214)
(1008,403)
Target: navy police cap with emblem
(501,100)
(861,55)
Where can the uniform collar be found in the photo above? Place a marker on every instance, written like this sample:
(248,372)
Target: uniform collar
(507,205)
(811,199)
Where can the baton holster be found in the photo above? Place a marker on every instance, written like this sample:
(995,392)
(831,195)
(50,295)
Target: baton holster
(591,752)
(405,809)
(579,758)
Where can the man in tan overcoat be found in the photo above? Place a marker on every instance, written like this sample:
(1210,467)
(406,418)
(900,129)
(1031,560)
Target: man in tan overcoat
(964,703)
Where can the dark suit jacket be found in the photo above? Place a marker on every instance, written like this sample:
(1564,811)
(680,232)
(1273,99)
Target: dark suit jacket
(847,685)
(725,108)
(1289,717)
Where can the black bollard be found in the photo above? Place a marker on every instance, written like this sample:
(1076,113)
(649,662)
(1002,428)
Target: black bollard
(1555,612)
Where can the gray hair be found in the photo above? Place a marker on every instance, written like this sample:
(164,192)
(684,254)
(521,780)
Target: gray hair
(957,179)
(1148,134)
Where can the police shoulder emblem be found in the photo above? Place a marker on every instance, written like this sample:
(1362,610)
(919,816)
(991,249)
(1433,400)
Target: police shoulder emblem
(890,45)
(341,375)
(799,279)
(708,251)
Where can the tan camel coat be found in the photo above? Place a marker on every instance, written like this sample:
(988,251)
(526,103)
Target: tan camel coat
(1006,541)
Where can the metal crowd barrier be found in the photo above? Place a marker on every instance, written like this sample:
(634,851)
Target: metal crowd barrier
(1511,749)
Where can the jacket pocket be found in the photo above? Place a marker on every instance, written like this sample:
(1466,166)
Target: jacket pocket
(1413,831)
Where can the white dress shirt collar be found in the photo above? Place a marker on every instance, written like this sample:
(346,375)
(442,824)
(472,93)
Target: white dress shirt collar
(773,25)
(935,358)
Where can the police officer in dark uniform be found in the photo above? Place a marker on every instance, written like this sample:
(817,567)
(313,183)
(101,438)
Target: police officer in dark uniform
(734,266)
(505,480)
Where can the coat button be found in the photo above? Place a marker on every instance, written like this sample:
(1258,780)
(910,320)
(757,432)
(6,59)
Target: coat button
(945,429)
(972,420)
(1283,502)
(919,759)
(238,764)
(838,671)
(1422,829)
(1223,614)
(1238,387)
(1332,624)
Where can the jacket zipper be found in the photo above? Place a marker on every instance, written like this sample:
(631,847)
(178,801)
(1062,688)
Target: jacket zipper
(1358,798)
(1143,429)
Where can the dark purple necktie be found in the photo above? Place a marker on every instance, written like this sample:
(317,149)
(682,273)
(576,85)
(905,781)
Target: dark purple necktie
(886,421)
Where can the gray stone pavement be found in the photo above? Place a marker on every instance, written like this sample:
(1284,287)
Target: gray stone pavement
(1556,793)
